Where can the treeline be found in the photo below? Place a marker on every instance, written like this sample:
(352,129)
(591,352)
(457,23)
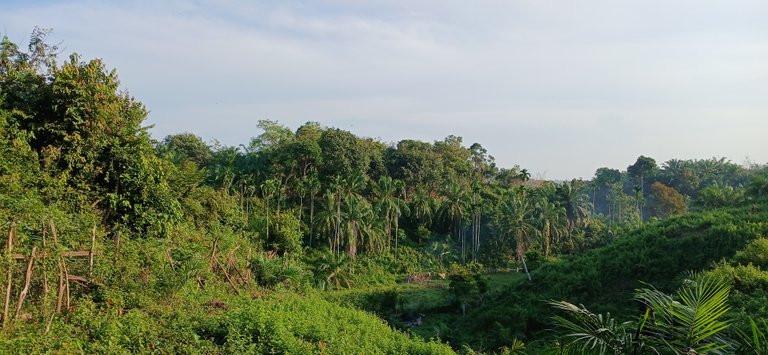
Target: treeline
(312,207)
(316,186)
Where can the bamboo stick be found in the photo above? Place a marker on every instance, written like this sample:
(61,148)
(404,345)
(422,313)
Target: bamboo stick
(27,280)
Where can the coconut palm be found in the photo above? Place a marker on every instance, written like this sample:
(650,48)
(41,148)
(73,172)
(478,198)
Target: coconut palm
(422,207)
(358,225)
(389,202)
(454,209)
(326,221)
(575,205)
(517,220)
(550,217)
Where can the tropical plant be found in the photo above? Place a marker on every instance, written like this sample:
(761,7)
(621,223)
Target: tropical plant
(575,205)
(692,321)
(757,341)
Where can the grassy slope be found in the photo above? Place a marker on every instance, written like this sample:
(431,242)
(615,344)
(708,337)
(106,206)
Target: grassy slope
(210,321)
(604,279)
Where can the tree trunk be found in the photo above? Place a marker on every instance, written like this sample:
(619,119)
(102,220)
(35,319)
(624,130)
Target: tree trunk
(526,268)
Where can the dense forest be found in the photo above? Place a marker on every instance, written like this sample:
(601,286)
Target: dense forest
(316,240)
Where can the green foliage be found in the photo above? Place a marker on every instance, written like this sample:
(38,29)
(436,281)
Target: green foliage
(691,321)
(467,289)
(756,253)
(756,341)
(278,271)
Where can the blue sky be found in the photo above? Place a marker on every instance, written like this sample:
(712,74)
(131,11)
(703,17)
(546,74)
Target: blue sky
(559,87)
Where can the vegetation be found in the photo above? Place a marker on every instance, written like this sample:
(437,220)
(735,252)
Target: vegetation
(309,240)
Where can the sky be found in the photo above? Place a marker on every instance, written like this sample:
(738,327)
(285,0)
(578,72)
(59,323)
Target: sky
(558,87)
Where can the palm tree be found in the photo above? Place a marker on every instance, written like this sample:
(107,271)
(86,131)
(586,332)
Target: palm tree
(575,205)
(517,221)
(269,189)
(453,209)
(549,216)
(358,227)
(313,187)
(758,187)
(524,175)
(422,206)
(690,322)
(388,193)
(326,221)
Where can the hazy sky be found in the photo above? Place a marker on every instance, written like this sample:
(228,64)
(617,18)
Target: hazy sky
(558,87)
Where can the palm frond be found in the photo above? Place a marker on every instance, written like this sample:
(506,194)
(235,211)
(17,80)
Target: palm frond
(695,322)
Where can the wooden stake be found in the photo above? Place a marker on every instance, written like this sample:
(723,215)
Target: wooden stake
(45,272)
(170,259)
(213,252)
(66,279)
(53,233)
(50,321)
(27,280)
(11,235)
(117,246)
(248,264)
(226,274)
(90,253)
(60,296)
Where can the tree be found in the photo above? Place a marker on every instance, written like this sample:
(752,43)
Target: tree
(422,206)
(88,134)
(549,216)
(641,170)
(466,288)
(608,182)
(669,202)
(575,206)
(517,220)
(453,210)
(273,136)
(388,193)
(185,147)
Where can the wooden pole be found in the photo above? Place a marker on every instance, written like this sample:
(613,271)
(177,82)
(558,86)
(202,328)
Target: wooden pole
(90,253)
(45,273)
(117,246)
(66,279)
(60,295)
(213,253)
(27,280)
(11,235)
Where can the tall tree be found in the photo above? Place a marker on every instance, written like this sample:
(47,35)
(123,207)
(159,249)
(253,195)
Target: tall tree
(668,201)
(575,205)
(453,210)
(388,194)
(550,216)
(518,221)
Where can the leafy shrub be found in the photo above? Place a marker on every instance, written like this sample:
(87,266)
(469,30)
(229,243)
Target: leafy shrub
(756,253)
